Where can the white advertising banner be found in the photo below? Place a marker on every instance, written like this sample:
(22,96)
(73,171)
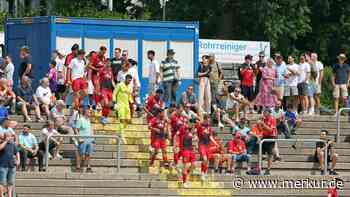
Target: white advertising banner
(64,44)
(232,51)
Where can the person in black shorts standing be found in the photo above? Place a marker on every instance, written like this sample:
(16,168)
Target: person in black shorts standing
(26,67)
(320,153)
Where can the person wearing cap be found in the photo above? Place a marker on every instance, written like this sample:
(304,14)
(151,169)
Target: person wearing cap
(215,77)
(247,78)
(204,70)
(76,78)
(237,152)
(268,126)
(9,69)
(153,72)
(340,80)
(320,153)
(9,160)
(28,148)
(44,95)
(281,71)
(261,63)
(26,66)
(26,99)
(170,72)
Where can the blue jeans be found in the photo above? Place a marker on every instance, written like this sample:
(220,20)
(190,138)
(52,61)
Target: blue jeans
(7,176)
(86,147)
(170,88)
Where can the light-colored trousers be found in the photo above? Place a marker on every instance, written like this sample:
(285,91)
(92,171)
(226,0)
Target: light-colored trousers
(204,99)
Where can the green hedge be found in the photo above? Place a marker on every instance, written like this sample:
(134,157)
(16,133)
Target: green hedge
(327,88)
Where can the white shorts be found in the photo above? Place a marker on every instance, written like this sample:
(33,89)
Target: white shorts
(340,89)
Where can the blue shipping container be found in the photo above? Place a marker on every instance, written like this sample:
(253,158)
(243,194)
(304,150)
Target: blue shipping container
(45,34)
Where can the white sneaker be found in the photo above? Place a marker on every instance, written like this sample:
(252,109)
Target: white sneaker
(220,125)
(59,157)
(186,185)
(49,156)
(203,177)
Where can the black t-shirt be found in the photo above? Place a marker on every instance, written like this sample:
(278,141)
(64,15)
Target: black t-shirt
(7,155)
(107,84)
(202,69)
(116,66)
(259,64)
(322,145)
(24,64)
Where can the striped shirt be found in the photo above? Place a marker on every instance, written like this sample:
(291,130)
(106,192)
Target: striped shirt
(169,68)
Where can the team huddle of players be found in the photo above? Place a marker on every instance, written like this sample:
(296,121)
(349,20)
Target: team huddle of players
(189,133)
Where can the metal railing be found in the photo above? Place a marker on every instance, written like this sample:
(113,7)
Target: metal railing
(294,140)
(338,122)
(78,136)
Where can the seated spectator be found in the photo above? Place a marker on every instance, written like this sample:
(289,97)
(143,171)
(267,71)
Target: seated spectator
(44,95)
(320,153)
(221,115)
(237,152)
(28,148)
(246,135)
(9,159)
(189,99)
(58,116)
(26,99)
(3,111)
(9,70)
(7,95)
(86,145)
(54,143)
(236,102)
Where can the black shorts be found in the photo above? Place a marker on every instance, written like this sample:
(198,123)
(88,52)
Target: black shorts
(267,147)
(329,159)
(302,89)
(248,92)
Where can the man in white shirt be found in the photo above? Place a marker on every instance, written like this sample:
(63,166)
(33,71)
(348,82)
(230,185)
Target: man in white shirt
(319,78)
(76,72)
(290,89)
(304,72)
(153,72)
(44,95)
(9,70)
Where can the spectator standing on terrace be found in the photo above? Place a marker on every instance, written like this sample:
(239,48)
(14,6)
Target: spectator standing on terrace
(170,77)
(153,72)
(319,78)
(61,73)
(52,76)
(261,63)
(26,67)
(340,81)
(216,76)
(247,78)
(281,71)
(9,159)
(304,73)
(320,153)
(44,95)
(86,144)
(291,89)
(266,97)
(28,148)
(9,70)
(26,99)
(204,71)
(116,63)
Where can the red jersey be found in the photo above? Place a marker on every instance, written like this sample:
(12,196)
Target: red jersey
(106,78)
(247,76)
(270,121)
(69,59)
(97,61)
(235,147)
(176,121)
(214,148)
(204,132)
(152,104)
(186,141)
(158,124)
(333,192)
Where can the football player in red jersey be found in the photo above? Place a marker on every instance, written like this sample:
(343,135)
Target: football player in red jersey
(153,104)
(176,120)
(204,133)
(160,131)
(187,138)
(96,63)
(107,85)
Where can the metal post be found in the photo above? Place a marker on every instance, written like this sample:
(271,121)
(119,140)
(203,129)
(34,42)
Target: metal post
(164,5)
(118,157)
(110,5)
(293,140)
(47,153)
(337,138)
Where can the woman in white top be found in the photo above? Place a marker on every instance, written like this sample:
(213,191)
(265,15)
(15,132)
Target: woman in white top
(44,95)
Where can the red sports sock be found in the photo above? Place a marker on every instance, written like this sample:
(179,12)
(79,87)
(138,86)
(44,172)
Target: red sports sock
(105,111)
(153,157)
(184,176)
(165,158)
(204,167)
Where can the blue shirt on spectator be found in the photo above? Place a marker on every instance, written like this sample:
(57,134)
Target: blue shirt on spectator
(7,159)
(3,113)
(243,131)
(27,140)
(281,70)
(25,93)
(341,73)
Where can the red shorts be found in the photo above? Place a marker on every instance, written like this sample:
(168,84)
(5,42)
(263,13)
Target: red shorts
(204,151)
(177,157)
(107,94)
(79,84)
(188,156)
(158,144)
